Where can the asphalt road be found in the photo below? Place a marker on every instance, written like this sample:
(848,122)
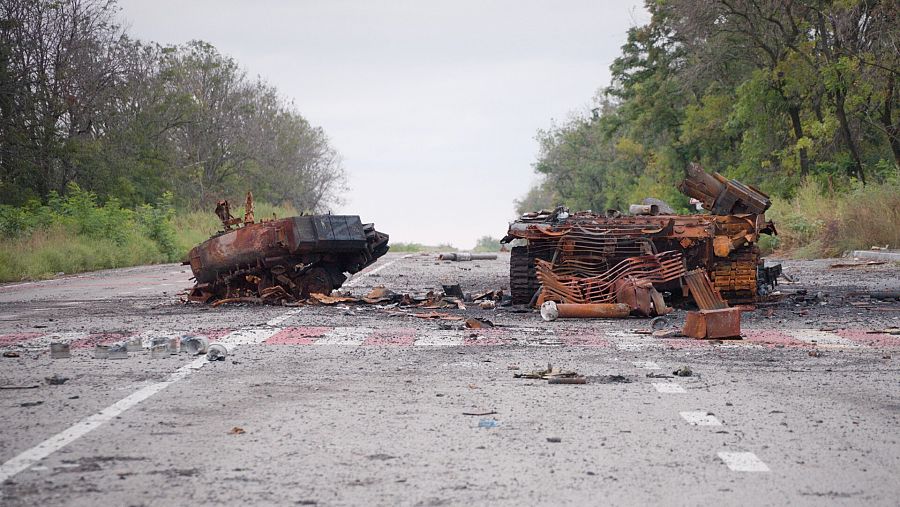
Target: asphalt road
(338,405)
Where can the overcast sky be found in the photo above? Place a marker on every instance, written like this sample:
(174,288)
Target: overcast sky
(434,106)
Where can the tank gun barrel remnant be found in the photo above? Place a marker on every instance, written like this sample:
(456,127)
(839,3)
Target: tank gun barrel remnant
(722,196)
(297,255)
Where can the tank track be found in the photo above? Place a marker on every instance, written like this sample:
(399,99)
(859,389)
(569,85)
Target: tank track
(523,282)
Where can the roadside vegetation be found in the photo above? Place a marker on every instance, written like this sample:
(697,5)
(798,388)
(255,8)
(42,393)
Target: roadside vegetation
(113,151)
(799,99)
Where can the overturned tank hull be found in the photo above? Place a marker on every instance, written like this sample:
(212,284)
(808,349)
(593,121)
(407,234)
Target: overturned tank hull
(587,247)
(287,258)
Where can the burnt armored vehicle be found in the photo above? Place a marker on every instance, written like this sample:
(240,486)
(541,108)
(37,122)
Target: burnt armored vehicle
(582,256)
(281,259)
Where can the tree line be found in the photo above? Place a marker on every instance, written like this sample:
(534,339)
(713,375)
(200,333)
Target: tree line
(771,92)
(82,102)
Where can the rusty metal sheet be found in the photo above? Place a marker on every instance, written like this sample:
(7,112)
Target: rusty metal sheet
(712,324)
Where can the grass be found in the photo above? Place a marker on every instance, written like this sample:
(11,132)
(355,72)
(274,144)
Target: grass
(418,247)
(819,222)
(74,234)
(45,253)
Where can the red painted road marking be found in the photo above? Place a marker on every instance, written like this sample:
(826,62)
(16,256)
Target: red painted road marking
(485,337)
(14,338)
(95,339)
(297,335)
(402,337)
(584,340)
(878,340)
(772,338)
(211,334)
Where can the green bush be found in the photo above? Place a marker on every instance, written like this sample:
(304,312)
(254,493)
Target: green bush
(822,222)
(73,233)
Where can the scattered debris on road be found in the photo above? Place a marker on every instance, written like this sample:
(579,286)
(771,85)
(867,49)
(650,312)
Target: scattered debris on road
(553,376)
(216,352)
(60,350)
(56,380)
(683,371)
(10,387)
(10,353)
(713,324)
(491,412)
(237,430)
(466,256)
(488,423)
(195,345)
(550,311)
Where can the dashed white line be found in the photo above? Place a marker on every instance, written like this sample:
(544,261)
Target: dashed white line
(439,338)
(359,276)
(743,462)
(352,336)
(668,387)
(700,418)
(34,455)
(821,338)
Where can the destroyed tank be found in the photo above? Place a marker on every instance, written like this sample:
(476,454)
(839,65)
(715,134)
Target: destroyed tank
(590,246)
(281,259)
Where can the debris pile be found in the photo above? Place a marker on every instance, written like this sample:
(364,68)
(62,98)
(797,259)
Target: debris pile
(648,260)
(578,257)
(280,260)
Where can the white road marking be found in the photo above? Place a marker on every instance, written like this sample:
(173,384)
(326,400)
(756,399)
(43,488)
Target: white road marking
(823,338)
(743,462)
(352,336)
(701,418)
(668,387)
(647,365)
(439,338)
(31,457)
(283,317)
(359,276)
(626,340)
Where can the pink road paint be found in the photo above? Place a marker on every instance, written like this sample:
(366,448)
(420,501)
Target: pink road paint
(772,338)
(584,340)
(14,338)
(877,340)
(211,334)
(485,337)
(399,337)
(297,335)
(94,339)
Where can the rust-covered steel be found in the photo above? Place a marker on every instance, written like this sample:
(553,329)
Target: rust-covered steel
(712,324)
(281,259)
(701,290)
(573,248)
(630,275)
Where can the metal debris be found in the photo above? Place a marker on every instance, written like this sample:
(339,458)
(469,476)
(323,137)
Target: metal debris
(550,311)
(565,252)
(683,371)
(280,260)
(705,295)
(712,324)
(56,380)
(59,350)
(466,256)
(216,352)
